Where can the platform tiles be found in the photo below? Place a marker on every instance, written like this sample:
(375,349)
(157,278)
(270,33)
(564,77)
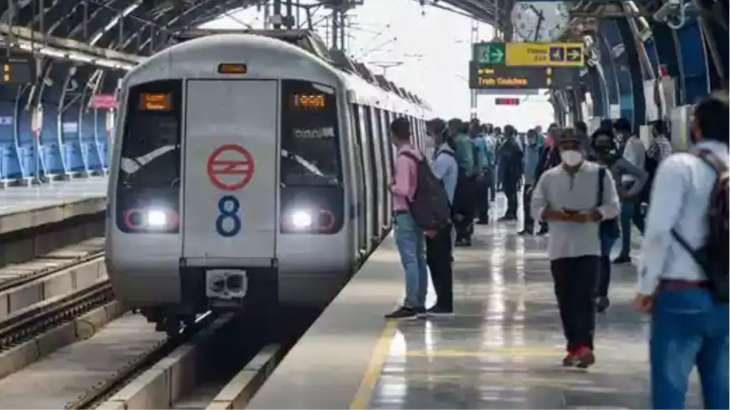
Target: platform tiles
(28,207)
(502,349)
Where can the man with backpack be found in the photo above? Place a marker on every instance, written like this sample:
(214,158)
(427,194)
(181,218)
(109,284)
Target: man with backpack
(438,248)
(421,207)
(683,277)
(574,198)
(409,237)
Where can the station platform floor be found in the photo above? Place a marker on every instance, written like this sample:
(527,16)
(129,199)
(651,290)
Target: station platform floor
(502,349)
(28,207)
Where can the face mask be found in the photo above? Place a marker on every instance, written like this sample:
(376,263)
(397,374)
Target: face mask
(571,158)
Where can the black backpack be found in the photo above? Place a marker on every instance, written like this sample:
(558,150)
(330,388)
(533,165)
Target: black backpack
(430,206)
(713,256)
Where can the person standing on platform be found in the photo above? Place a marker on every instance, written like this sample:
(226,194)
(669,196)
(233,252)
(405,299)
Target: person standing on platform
(409,237)
(569,198)
(465,187)
(488,133)
(491,142)
(549,158)
(438,248)
(607,155)
(510,170)
(684,265)
(481,153)
(634,152)
(530,158)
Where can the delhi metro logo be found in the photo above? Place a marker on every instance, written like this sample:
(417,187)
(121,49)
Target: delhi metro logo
(230,167)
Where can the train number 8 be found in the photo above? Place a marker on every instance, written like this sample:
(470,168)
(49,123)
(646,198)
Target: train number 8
(228,207)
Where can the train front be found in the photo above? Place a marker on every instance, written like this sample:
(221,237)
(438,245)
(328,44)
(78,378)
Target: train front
(209,206)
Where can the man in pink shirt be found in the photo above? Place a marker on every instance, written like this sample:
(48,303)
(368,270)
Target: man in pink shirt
(409,237)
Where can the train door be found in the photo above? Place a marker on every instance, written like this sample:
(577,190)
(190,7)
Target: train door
(379,172)
(388,163)
(359,169)
(231,179)
(369,168)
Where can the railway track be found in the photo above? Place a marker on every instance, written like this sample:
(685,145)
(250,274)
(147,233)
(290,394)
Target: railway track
(104,389)
(35,321)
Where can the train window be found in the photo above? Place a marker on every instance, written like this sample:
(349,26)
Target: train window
(149,171)
(310,159)
(309,148)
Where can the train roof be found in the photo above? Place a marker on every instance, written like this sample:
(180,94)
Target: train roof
(309,41)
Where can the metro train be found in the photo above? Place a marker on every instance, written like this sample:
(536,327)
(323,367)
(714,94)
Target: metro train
(249,171)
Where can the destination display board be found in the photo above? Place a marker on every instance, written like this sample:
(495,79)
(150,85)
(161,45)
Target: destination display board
(496,77)
(483,76)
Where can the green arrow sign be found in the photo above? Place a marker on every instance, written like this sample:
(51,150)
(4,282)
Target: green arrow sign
(489,53)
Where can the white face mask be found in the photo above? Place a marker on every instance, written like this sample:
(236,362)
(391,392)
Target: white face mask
(571,158)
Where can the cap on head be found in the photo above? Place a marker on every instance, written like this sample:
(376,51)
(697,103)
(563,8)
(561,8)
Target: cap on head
(567,136)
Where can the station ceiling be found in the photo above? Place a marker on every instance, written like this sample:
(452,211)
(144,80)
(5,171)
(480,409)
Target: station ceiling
(147,24)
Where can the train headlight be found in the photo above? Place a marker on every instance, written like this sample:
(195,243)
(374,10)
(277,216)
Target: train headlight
(301,219)
(156,218)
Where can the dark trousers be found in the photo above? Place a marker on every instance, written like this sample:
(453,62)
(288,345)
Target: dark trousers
(464,207)
(492,181)
(575,285)
(438,257)
(482,198)
(510,190)
(630,212)
(527,216)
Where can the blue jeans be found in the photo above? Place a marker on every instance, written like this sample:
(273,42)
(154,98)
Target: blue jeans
(630,212)
(411,246)
(688,329)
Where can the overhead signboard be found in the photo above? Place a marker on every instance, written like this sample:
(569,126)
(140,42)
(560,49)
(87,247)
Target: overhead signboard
(502,77)
(529,54)
(544,54)
(16,71)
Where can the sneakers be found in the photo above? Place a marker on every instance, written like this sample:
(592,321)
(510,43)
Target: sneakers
(507,218)
(439,311)
(570,360)
(406,313)
(602,303)
(585,357)
(581,358)
(524,233)
(543,231)
(622,259)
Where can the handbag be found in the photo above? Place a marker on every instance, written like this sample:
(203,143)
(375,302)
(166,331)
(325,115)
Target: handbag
(608,228)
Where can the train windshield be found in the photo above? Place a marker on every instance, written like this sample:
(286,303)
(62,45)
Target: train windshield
(149,168)
(309,147)
(151,147)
